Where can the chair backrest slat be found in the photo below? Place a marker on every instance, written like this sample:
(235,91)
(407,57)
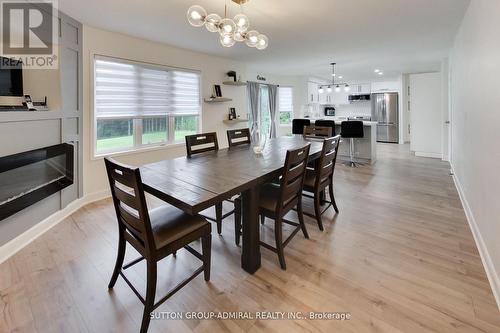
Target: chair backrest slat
(130,202)
(327,160)
(132,223)
(319,131)
(127,198)
(207,141)
(238,137)
(292,178)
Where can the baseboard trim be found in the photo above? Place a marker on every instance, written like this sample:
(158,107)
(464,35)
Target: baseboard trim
(483,250)
(13,246)
(431,155)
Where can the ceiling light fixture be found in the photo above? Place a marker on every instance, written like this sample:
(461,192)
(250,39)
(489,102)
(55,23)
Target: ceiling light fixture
(333,84)
(230,30)
(380,73)
(377,70)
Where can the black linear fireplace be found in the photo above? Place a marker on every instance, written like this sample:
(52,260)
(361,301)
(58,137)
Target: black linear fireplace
(31,176)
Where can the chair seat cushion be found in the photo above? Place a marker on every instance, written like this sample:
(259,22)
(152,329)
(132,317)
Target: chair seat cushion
(170,224)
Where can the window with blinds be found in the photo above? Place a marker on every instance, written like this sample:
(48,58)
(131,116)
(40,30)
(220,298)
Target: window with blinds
(285,104)
(138,105)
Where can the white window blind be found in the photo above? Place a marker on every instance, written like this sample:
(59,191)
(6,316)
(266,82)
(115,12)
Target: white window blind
(285,99)
(125,89)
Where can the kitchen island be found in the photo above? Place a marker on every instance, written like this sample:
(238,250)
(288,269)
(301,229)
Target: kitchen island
(365,149)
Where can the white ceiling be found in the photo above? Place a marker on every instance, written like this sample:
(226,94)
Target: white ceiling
(397,36)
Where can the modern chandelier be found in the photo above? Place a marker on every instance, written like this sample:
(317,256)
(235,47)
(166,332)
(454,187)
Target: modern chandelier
(336,85)
(230,30)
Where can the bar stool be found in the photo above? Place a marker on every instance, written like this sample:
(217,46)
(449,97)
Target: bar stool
(299,124)
(326,123)
(350,130)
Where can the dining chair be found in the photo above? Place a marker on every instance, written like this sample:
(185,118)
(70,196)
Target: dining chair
(298,125)
(326,123)
(155,234)
(276,200)
(238,137)
(203,143)
(317,131)
(317,179)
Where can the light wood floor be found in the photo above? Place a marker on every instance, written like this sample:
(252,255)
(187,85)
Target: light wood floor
(399,257)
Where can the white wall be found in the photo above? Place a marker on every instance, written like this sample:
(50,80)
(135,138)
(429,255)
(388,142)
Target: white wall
(475,72)
(96,41)
(426,114)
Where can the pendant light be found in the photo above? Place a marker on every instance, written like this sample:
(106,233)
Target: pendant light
(230,30)
(337,85)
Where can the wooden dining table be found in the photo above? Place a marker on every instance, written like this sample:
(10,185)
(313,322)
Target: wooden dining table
(196,183)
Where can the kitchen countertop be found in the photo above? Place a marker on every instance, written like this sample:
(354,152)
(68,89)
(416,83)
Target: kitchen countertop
(339,120)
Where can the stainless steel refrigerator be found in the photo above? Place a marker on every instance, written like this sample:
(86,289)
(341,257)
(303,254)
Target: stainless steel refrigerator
(385,111)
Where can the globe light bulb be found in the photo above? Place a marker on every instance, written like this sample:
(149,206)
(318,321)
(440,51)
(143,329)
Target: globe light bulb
(321,90)
(262,42)
(239,36)
(227,40)
(227,27)
(329,89)
(242,22)
(337,88)
(251,38)
(212,22)
(196,15)
(347,88)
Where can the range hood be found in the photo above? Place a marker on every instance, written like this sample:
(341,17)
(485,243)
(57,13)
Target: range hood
(359,98)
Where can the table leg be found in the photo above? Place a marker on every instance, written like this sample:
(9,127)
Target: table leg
(250,254)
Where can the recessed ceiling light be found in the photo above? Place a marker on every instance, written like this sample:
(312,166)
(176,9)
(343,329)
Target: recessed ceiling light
(341,77)
(380,73)
(377,70)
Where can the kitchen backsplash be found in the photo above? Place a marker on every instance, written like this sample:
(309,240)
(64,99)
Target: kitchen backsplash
(354,109)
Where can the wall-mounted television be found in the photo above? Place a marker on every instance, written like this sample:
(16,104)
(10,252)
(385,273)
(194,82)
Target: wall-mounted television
(11,79)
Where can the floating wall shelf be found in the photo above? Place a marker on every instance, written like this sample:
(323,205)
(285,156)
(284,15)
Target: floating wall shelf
(234,83)
(235,121)
(217,100)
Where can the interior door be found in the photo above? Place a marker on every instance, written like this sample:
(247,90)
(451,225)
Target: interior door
(426,114)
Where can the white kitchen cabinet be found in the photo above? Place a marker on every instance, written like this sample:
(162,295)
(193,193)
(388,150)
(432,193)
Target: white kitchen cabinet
(329,98)
(360,88)
(386,86)
(312,92)
(340,98)
(323,97)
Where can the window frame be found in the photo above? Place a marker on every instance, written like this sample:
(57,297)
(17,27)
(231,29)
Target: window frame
(290,112)
(137,120)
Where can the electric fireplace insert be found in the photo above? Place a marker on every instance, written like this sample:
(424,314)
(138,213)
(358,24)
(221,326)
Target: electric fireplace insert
(31,176)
